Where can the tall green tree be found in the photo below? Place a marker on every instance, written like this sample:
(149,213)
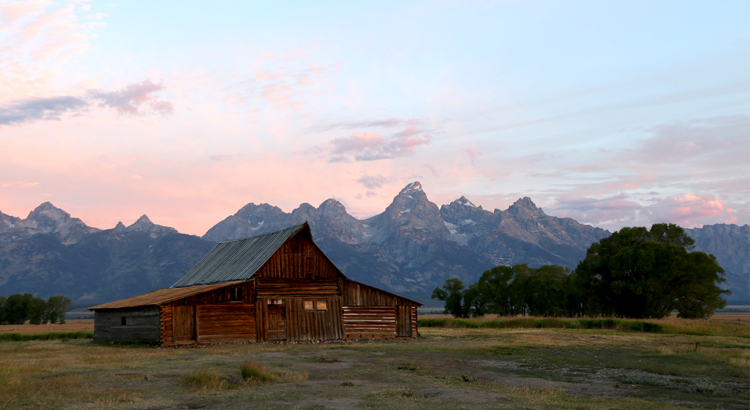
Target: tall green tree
(36,311)
(544,291)
(452,294)
(494,289)
(55,310)
(17,308)
(637,272)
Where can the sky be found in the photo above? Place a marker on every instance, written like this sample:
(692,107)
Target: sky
(614,113)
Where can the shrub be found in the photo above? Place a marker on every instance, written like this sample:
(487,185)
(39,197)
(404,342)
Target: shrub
(256,372)
(206,380)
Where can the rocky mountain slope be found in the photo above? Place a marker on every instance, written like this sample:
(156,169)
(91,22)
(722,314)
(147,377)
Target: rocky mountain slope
(414,246)
(731,246)
(45,219)
(66,257)
(410,248)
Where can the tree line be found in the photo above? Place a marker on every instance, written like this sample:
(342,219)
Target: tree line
(634,273)
(17,309)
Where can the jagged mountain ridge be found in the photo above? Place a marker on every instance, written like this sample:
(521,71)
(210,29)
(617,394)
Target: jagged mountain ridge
(50,253)
(414,246)
(411,247)
(45,219)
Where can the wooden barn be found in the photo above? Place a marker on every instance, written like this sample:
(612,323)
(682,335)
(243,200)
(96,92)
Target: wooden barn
(274,287)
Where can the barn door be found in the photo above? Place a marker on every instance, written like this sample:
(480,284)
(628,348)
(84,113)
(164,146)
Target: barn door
(184,323)
(276,322)
(403,321)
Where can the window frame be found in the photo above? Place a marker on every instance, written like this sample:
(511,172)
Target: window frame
(236,295)
(315,305)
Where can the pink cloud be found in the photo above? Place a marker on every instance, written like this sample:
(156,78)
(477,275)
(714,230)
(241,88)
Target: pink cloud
(687,210)
(473,154)
(370,146)
(13,12)
(373,181)
(129,99)
(125,101)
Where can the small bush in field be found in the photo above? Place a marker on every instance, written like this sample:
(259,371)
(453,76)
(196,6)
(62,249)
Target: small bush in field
(255,371)
(411,366)
(206,380)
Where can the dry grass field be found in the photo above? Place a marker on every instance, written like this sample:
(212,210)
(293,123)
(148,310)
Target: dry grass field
(69,326)
(447,368)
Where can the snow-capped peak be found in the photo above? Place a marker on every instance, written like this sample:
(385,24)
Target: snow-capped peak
(413,187)
(465,202)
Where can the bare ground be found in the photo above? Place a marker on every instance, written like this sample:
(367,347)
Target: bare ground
(446,369)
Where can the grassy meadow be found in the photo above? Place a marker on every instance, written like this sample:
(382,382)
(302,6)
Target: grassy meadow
(682,364)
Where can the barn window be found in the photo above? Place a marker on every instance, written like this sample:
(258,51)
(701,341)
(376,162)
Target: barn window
(275,302)
(123,321)
(315,305)
(235,295)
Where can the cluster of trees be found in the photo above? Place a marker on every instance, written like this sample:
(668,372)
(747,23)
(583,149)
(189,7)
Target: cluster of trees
(635,272)
(18,308)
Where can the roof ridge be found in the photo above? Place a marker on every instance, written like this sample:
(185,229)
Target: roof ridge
(264,234)
(238,259)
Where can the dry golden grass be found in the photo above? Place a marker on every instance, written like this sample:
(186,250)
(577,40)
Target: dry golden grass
(41,372)
(207,380)
(717,325)
(70,326)
(80,374)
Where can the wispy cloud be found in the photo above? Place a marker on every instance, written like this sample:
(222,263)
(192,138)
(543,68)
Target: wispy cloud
(129,100)
(20,184)
(381,123)
(370,146)
(687,210)
(373,181)
(132,97)
(39,109)
(473,154)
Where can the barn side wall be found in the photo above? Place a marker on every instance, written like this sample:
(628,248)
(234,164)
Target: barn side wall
(372,313)
(141,324)
(216,317)
(298,258)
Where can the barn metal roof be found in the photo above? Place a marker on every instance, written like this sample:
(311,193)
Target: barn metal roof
(159,297)
(238,259)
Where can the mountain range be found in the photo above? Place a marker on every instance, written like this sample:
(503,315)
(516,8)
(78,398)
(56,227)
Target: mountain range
(409,248)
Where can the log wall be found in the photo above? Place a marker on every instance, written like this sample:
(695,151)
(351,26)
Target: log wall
(142,324)
(369,322)
(298,258)
(217,318)
(275,288)
(359,294)
(225,323)
(219,296)
(167,336)
(314,325)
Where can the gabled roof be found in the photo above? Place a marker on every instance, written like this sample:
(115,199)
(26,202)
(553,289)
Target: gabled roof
(159,297)
(239,259)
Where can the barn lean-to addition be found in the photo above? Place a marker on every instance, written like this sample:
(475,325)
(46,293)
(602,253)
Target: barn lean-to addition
(274,287)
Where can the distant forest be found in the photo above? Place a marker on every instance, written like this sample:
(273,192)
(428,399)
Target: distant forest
(18,308)
(634,273)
